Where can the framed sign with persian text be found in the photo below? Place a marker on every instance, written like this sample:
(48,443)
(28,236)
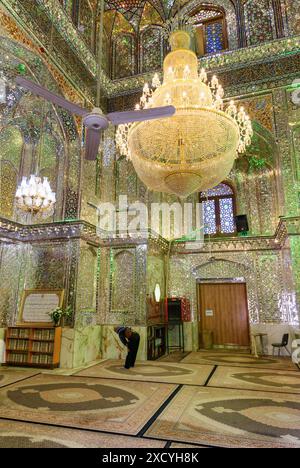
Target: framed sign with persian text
(36,305)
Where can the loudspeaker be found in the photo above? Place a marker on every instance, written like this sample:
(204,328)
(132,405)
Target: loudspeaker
(174,310)
(241,222)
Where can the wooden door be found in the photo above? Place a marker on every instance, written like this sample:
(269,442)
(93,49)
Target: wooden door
(224,311)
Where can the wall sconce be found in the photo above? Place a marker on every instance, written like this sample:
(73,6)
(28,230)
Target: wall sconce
(2,91)
(157,292)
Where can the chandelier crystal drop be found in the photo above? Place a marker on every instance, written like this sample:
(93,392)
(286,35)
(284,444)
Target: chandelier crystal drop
(34,196)
(195,149)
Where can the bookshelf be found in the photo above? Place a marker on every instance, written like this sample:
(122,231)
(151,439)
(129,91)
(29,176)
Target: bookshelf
(157,345)
(33,346)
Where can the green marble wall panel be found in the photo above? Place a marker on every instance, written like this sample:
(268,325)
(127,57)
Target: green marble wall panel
(67,348)
(80,346)
(2,345)
(87,343)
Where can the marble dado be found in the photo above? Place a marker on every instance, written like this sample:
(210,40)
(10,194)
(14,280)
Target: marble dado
(2,345)
(274,332)
(80,346)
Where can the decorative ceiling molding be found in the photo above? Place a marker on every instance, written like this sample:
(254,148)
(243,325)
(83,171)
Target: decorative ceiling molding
(12,231)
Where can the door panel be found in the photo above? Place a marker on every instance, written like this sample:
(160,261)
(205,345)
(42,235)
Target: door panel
(224,311)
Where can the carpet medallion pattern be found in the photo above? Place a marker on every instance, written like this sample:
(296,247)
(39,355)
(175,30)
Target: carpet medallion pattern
(24,435)
(152,371)
(223,417)
(256,379)
(114,406)
(239,360)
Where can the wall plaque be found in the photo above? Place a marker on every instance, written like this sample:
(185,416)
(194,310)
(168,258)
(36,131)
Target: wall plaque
(36,305)
(209,313)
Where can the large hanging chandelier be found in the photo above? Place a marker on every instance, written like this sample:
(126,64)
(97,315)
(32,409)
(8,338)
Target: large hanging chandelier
(34,196)
(195,149)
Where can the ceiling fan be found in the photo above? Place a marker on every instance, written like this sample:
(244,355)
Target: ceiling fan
(95,121)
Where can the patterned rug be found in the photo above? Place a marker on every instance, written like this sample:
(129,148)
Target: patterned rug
(9,375)
(228,418)
(177,356)
(107,405)
(152,371)
(245,360)
(256,379)
(24,435)
(187,446)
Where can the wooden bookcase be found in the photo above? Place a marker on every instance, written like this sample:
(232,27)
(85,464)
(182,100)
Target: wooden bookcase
(29,346)
(157,344)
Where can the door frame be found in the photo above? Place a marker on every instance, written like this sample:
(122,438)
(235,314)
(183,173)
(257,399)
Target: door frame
(220,281)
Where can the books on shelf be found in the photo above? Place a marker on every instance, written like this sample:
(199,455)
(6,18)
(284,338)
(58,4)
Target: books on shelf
(33,346)
(40,346)
(41,359)
(18,345)
(19,333)
(43,334)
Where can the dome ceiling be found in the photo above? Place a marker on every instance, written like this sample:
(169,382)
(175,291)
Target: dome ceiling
(137,11)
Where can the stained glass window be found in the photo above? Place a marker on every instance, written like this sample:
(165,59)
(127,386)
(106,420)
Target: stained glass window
(210,30)
(221,189)
(214,37)
(218,206)
(227,218)
(209,211)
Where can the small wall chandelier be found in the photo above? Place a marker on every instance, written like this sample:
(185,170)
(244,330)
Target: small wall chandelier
(195,149)
(34,196)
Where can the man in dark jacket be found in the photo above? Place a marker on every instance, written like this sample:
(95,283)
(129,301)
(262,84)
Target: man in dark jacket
(130,339)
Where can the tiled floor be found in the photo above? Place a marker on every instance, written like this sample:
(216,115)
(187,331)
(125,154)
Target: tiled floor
(205,400)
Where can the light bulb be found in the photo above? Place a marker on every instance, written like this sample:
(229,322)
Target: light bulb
(19,193)
(28,201)
(2,91)
(157,292)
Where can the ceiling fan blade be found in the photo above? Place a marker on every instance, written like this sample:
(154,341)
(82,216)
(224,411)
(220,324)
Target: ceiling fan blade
(92,143)
(43,92)
(118,118)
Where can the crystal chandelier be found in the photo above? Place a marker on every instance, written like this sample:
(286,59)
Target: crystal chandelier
(35,197)
(195,149)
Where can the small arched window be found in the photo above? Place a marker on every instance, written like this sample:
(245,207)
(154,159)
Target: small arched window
(210,30)
(218,206)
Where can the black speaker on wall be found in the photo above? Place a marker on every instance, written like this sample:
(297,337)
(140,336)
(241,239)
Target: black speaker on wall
(241,222)
(174,310)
